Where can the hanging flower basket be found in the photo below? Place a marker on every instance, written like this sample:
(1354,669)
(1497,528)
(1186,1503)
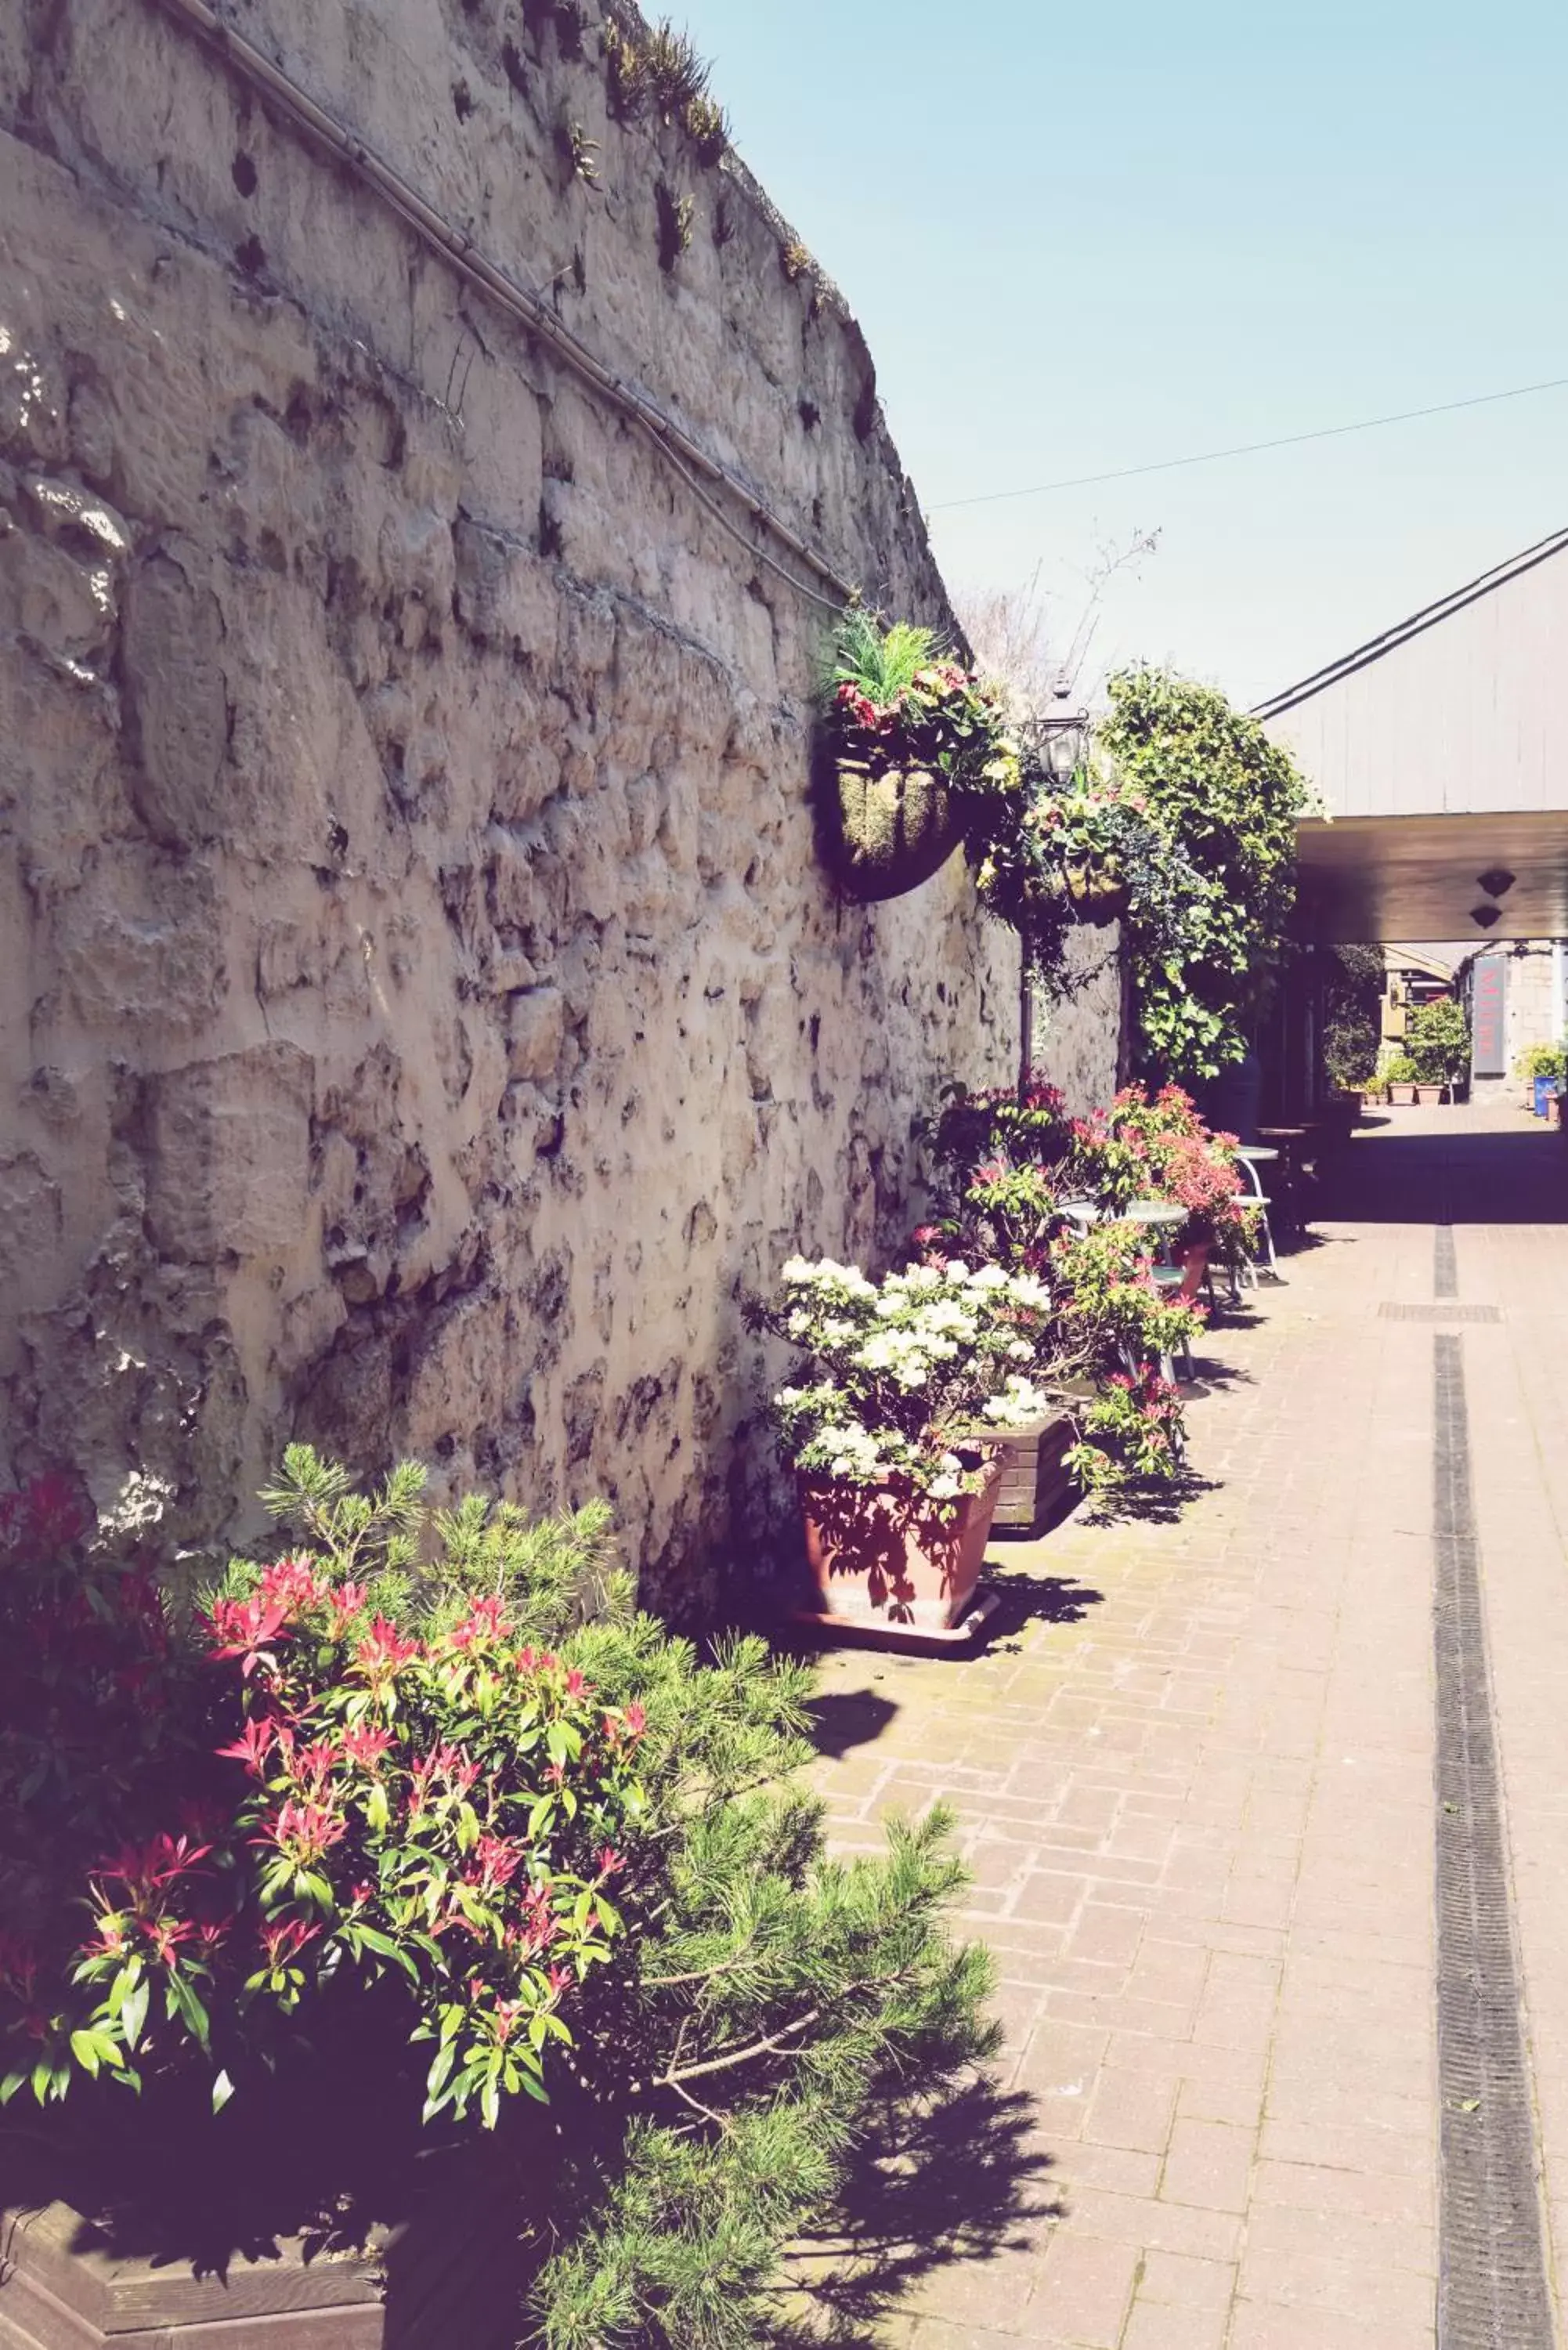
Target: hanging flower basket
(1098,893)
(907,739)
(894,830)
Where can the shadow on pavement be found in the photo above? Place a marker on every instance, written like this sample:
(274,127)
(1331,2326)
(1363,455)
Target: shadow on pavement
(1210,1373)
(1027,1598)
(1148,1505)
(1453,1175)
(841,1719)
(956,2178)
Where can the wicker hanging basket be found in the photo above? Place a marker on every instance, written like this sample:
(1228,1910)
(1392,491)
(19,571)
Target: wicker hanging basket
(1097,894)
(893,831)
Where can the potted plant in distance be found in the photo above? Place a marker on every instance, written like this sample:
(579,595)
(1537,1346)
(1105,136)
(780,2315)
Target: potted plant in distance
(890,1420)
(907,735)
(1439,1043)
(1399,1079)
(1541,1068)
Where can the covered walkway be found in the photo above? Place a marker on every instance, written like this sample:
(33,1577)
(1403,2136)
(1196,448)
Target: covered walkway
(1267,1808)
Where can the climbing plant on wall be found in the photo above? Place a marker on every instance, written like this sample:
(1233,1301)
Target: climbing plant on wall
(1229,800)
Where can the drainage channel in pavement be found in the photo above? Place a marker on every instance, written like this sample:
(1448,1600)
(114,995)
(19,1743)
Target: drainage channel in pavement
(1400,1313)
(1445,1262)
(1492,2292)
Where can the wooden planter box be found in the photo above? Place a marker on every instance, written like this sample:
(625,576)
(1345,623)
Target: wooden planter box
(65,2288)
(449,2277)
(1034,1479)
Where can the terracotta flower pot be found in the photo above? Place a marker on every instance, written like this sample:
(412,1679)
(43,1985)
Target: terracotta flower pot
(884,1556)
(1194,1266)
(894,831)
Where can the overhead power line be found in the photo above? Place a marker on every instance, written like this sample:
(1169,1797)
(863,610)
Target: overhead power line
(1252,447)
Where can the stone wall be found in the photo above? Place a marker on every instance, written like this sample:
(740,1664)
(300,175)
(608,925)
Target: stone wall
(1077,1039)
(1535,1012)
(423,1015)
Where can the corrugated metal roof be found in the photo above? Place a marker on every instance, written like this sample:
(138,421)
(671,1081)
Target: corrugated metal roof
(1427,617)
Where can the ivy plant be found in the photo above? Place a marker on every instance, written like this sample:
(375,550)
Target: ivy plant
(1229,800)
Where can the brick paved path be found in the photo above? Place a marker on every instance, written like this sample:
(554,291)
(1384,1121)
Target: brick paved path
(1195,1790)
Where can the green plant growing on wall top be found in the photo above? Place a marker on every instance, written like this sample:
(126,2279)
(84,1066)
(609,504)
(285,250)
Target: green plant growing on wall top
(707,126)
(578,150)
(1230,799)
(661,72)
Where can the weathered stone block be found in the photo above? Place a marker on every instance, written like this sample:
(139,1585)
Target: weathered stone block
(537,1030)
(176,709)
(229,1155)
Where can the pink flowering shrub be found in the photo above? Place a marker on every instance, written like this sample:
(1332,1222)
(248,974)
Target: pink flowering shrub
(1157,1147)
(360,1804)
(1007,1162)
(1132,1431)
(1112,1303)
(1000,1157)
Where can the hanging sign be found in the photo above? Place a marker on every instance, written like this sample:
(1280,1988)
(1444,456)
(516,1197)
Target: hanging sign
(1489,1018)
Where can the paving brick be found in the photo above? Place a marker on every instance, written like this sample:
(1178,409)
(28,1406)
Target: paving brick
(991,2290)
(1271,2325)
(1131,2109)
(1087,2288)
(1209,2163)
(1157,2326)
(1368,2194)
(1178,2281)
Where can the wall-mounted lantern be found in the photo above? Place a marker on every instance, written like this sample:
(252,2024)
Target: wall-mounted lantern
(1059,740)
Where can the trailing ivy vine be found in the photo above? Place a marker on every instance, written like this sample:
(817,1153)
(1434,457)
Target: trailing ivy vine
(1228,799)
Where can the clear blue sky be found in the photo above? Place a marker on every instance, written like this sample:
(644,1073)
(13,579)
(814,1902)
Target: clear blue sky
(1081,238)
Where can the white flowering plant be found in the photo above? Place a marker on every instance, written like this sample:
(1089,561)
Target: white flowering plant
(902,1379)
